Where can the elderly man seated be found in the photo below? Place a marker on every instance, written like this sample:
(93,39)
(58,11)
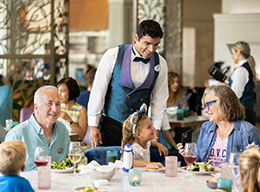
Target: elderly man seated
(43,129)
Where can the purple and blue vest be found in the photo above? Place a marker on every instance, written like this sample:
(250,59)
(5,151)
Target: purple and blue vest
(122,98)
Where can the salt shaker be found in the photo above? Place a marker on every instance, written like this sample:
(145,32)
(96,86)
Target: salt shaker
(128,158)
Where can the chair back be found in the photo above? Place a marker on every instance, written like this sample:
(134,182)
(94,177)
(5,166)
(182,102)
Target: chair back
(99,154)
(6,104)
(25,113)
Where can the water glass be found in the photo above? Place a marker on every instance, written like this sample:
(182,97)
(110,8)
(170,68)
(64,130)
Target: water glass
(111,156)
(186,111)
(43,164)
(44,175)
(180,114)
(135,177)
(225,184)
(225,171)
(171,166)
(234,170)
(8,124)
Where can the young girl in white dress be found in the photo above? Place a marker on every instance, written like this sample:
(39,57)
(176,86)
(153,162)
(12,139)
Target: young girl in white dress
(139,132)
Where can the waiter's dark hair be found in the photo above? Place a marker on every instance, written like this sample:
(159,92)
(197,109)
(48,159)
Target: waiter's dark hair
(149,27)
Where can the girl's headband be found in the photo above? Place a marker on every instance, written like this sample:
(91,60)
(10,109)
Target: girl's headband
(136,116)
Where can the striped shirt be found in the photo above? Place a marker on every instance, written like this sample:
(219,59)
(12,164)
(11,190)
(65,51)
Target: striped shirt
(73,112)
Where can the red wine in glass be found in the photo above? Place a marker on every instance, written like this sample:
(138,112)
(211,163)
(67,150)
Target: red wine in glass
(190,159)
(190,154)
(40,163)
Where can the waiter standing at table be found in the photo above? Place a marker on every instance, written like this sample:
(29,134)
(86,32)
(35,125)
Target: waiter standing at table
(128,76)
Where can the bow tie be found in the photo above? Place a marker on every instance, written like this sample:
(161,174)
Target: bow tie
(145,61)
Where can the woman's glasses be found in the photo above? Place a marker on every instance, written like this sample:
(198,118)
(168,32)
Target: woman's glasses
(208,104)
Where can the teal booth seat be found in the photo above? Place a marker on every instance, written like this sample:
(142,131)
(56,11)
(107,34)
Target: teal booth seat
(99,153)
(6,104)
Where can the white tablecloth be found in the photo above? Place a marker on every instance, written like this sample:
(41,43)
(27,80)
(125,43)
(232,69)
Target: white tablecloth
(151,181)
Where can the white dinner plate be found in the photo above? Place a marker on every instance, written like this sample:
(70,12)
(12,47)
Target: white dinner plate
(200,173)
(81,189)
(217,175)
(67,170)
(161,169)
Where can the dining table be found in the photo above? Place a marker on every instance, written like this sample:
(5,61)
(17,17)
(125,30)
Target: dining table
(181,126)
(74,136)
(152,181)
(191,121)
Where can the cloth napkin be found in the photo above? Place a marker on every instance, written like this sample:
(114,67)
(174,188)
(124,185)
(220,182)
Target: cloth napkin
(95,165)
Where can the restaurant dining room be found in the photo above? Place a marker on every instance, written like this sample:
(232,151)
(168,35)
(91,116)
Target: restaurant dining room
(129,95)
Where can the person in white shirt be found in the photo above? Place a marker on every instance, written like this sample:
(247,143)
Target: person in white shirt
(242,81)
(128,76)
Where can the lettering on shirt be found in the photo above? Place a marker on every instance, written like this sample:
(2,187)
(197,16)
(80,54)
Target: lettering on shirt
(218,152)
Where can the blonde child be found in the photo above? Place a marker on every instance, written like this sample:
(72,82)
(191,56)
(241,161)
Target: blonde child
(139,132)
(12,159)
(249,166)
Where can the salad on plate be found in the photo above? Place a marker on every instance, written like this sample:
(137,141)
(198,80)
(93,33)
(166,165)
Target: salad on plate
(201,167)
(90,189)
(67,163)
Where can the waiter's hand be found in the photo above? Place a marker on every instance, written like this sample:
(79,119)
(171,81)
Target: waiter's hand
(94,135)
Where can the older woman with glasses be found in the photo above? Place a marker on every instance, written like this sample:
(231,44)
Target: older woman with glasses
(226,131)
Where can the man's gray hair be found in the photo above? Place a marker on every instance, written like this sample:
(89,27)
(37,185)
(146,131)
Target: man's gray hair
(37,94)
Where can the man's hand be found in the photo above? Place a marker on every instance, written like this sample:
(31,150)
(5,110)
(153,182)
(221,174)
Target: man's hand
(94,135)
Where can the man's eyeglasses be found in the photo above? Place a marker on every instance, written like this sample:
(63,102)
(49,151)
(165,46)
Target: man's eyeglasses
(208,104)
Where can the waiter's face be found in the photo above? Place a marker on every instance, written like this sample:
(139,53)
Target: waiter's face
(146,45)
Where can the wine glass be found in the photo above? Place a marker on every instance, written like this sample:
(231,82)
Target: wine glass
(74,153)
(41,157)
(190,154)
(234,169)
(234,158)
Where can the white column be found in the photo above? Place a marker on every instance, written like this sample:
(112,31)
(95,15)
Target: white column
(120,22)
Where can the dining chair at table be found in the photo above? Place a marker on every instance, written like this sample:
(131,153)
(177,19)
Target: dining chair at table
(99,154)
(25,113)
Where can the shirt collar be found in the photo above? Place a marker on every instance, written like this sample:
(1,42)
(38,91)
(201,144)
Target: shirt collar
(136,54)
(36,126)
(240,63)
(235,126)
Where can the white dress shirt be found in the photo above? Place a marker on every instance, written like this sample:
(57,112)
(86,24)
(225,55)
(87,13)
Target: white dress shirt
(240,78)
(139,72)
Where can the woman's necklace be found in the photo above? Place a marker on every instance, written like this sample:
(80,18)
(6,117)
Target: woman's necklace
(221,136)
